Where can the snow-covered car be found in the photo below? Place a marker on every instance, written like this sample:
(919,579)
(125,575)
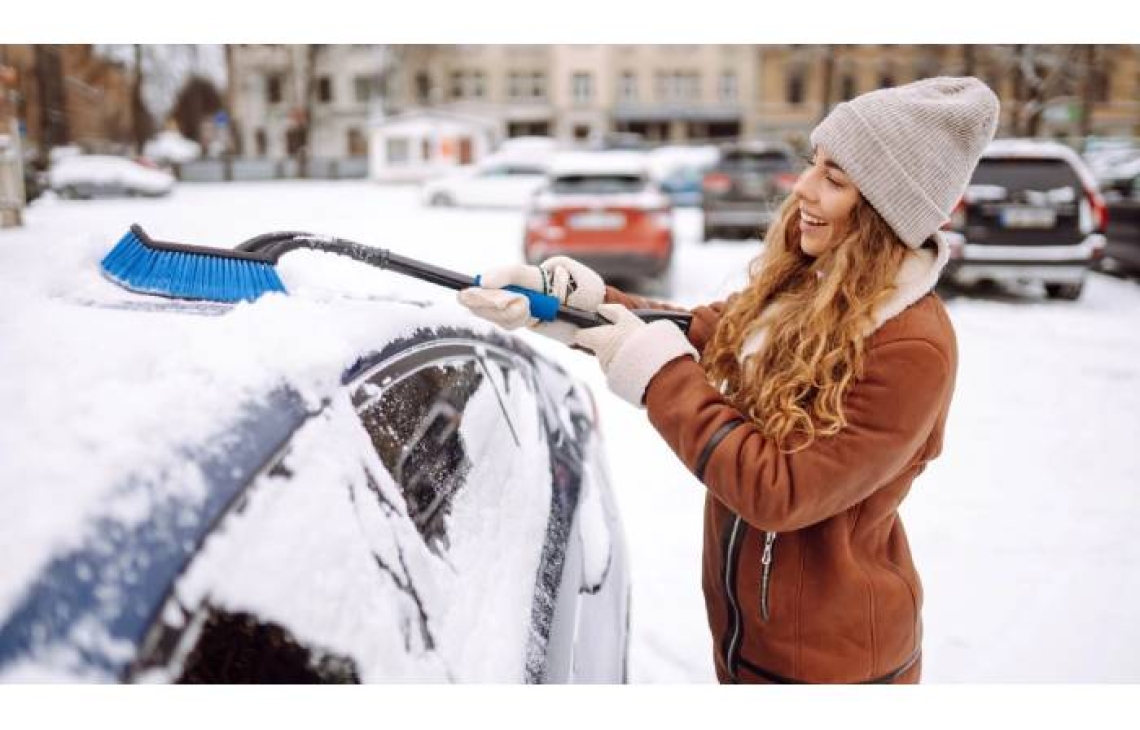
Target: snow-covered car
(170,147)
(301,490)
(1032,213)
(90,176)
(603,209)
(497,182)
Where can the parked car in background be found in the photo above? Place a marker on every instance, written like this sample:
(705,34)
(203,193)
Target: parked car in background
(1032,213)
(419,497)
(495,182)
(169,147)
(602,209)
(1123,234)
(743,190)
(679,171)
(98,176)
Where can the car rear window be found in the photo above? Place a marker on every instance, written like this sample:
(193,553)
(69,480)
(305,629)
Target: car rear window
(595,184)
(1020,175)
(761,161)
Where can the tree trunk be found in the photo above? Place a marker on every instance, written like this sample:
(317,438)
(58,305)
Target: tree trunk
(828,75)
(138,124)
(1088,80)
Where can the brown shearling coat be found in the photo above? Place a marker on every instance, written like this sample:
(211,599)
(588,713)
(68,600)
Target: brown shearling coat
(835,597)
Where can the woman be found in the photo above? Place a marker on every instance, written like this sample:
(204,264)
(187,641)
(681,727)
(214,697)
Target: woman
(808,402)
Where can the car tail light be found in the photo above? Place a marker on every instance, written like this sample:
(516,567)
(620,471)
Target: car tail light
(1099,211)
(716,182)
(957,220)
(537,219)
(785,181)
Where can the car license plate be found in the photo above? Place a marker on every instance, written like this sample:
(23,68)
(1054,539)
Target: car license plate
(597,221)
(1028,217)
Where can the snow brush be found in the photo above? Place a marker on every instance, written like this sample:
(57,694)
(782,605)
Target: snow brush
(181,271)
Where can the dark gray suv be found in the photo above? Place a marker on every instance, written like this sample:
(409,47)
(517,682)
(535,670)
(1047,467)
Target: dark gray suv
(742,192)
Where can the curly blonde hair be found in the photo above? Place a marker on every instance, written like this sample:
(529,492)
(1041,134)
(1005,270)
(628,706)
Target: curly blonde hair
(816,312)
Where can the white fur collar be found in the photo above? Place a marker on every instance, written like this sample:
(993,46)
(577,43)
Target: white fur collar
(917,276)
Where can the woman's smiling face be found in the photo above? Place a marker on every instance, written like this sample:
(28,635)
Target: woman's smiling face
(827,199)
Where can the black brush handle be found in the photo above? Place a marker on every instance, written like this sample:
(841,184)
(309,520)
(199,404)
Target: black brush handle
(273,246)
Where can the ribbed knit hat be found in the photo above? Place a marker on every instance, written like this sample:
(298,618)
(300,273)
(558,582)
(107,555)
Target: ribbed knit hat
(912,149)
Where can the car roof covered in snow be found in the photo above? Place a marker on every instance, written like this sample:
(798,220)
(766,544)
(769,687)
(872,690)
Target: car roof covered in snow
(599,163)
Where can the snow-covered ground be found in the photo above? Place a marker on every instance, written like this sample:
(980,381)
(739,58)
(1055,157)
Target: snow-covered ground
(1022,531)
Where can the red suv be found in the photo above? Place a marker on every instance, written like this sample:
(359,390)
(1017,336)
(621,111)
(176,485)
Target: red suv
(601,208)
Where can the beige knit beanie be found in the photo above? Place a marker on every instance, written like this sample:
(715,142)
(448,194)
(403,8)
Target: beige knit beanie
(912,149)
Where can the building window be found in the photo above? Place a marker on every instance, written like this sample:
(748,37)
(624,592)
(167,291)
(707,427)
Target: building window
(529,128)
(1100,85)
(582,87)
(847,87)
(324,90)
(581,132)
(795,90)
(261,142)
(363,87)
(526,85)
(691,86)
(468,85)
(396,149)
(357,144)
(273,88)
(627,87)
(675,86)
(423,87)
(727,89)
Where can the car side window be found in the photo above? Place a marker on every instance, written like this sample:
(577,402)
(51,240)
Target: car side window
(432,423)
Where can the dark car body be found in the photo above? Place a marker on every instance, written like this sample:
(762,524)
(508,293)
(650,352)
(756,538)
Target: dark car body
(365,533)
(1123,249)
(1032,213)
(742,192)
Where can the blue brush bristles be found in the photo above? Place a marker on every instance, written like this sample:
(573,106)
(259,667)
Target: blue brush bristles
(188,274)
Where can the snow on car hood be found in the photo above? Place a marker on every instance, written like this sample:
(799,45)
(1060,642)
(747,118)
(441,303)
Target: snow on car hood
(98,383)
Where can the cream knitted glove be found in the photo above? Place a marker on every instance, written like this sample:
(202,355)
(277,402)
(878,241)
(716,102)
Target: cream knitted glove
(631,351)
(572,283)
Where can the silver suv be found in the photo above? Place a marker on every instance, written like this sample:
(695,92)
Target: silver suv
(1032,213)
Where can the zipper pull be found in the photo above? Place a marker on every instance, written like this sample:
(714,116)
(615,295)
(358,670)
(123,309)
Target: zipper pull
(766,557)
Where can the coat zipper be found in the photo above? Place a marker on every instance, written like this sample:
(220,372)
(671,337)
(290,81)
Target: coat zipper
(766,561)
(730,592)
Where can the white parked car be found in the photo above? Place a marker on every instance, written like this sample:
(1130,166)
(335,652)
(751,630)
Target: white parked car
(493,183)
(1032,213)
(89,176)
(170,147)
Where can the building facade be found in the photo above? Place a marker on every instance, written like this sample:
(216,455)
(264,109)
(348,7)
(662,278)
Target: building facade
(68,94)
(275,89)
(664,93)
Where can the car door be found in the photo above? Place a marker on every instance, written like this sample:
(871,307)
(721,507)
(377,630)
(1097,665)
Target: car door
(485,187)
(1124,224)
(400,536)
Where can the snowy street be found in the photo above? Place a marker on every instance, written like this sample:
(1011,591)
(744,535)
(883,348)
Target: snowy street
(1023,531)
